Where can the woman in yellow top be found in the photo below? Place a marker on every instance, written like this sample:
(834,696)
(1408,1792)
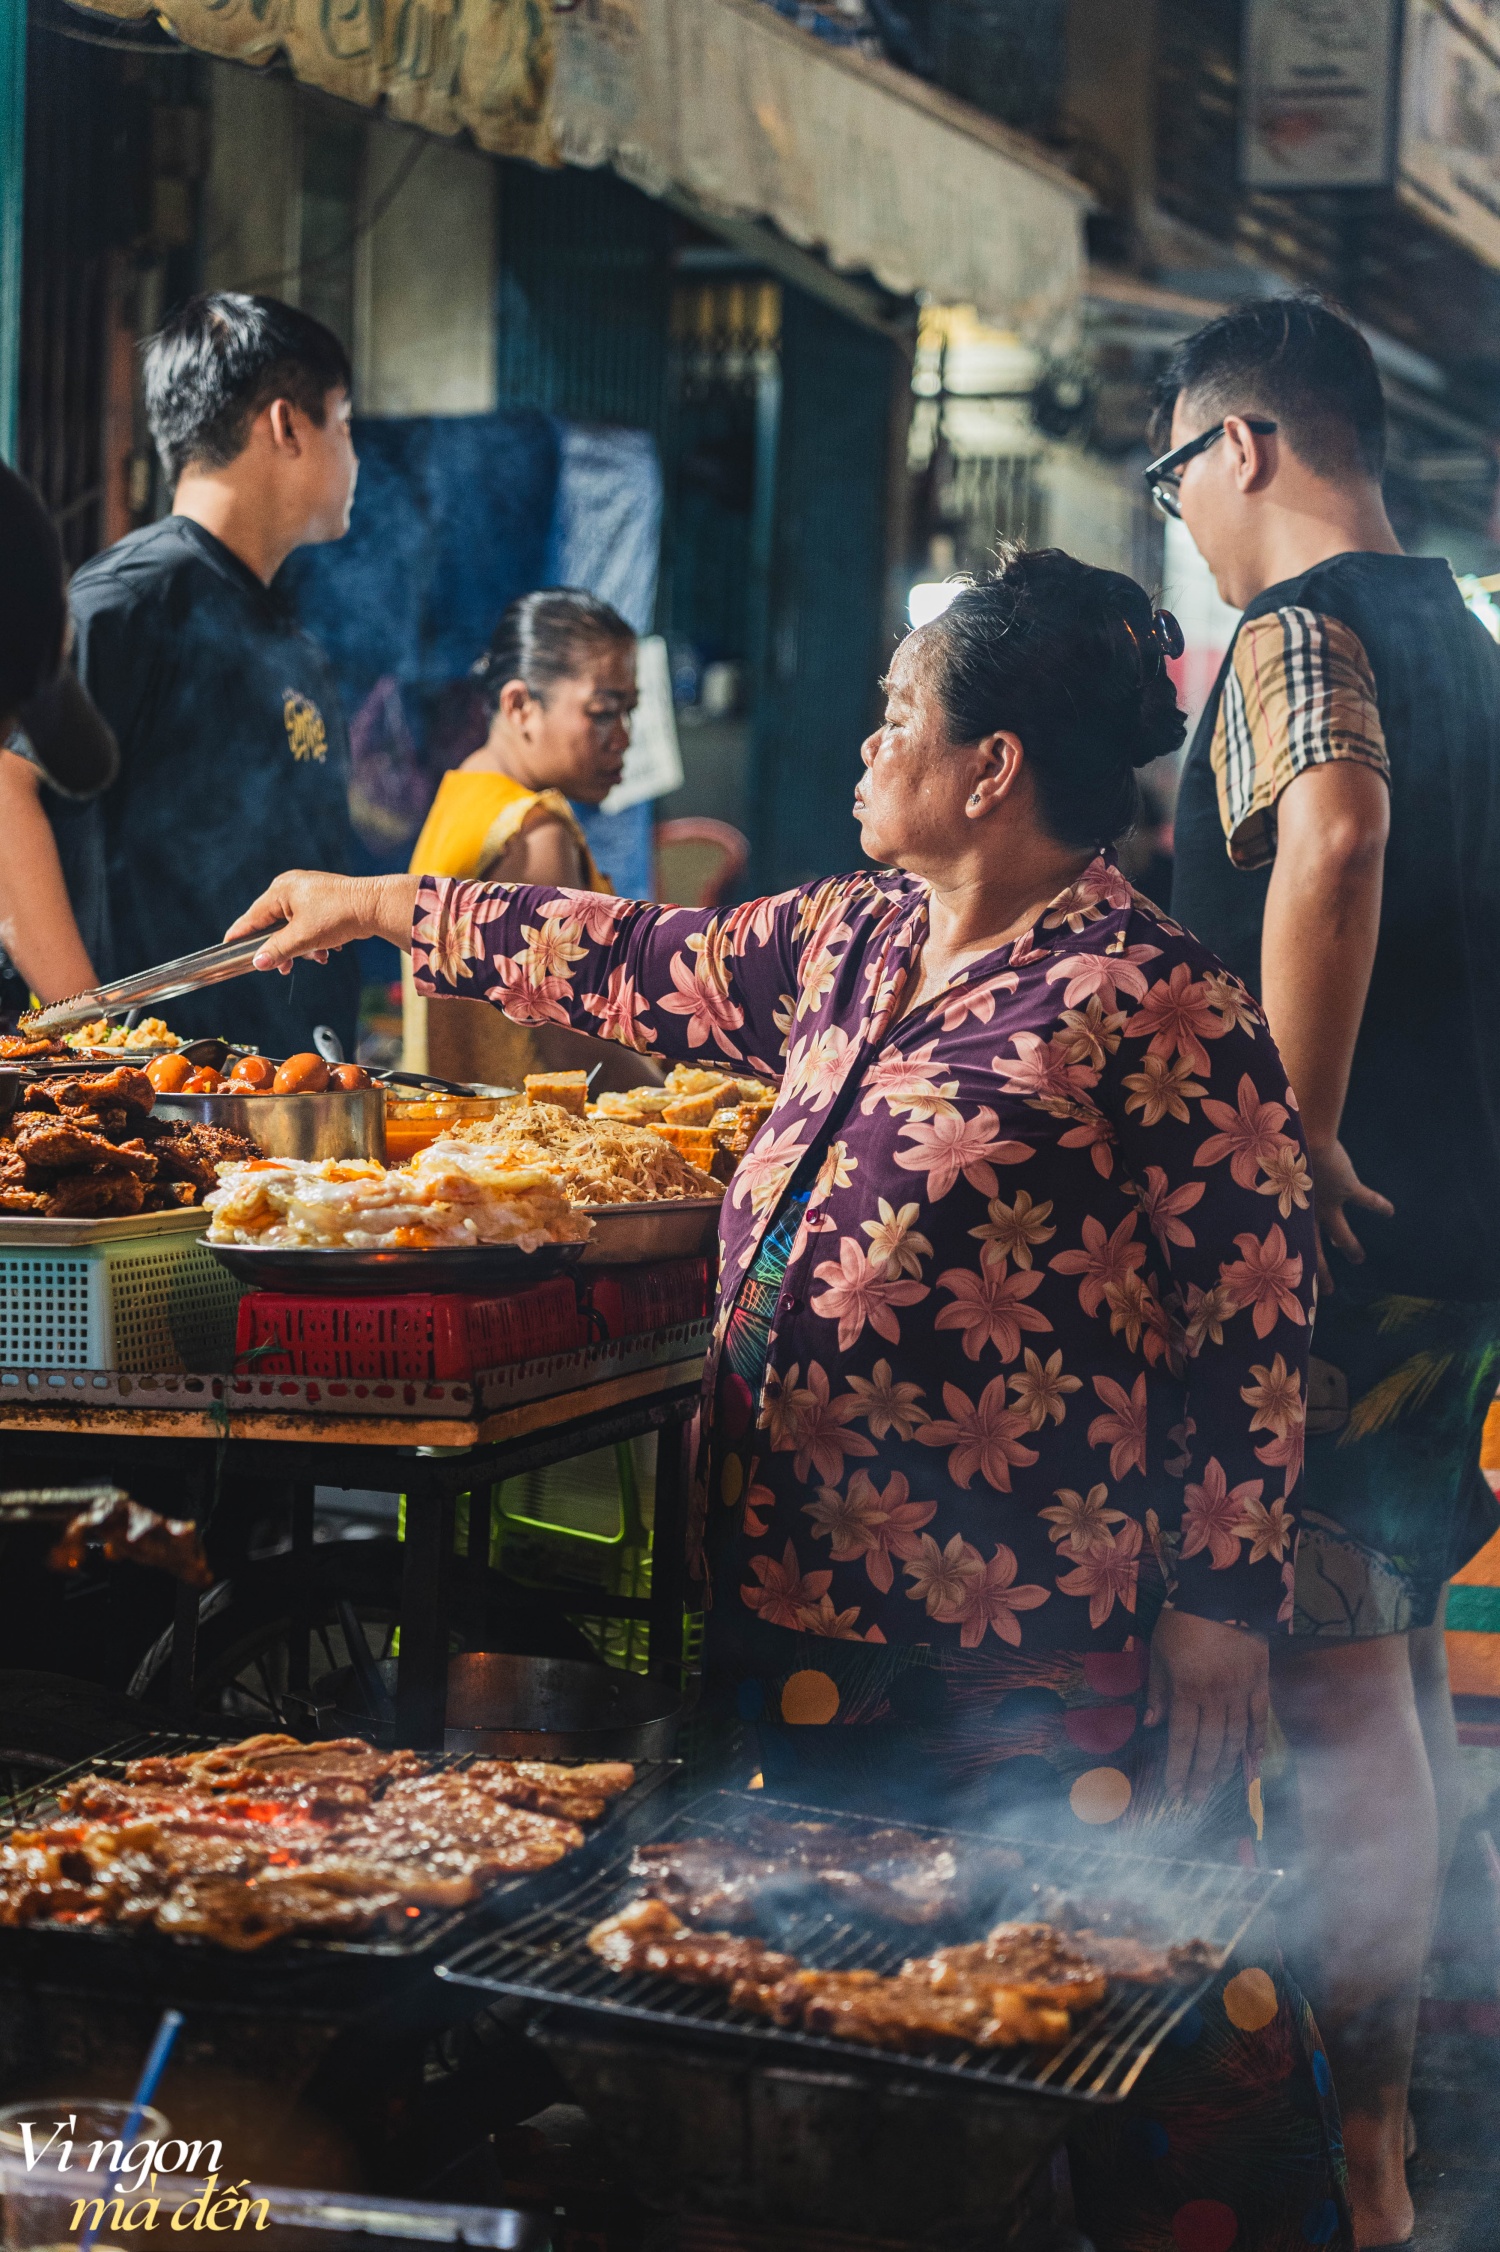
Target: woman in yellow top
(559,680)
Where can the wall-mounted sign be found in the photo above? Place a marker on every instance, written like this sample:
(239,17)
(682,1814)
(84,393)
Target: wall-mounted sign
(1450,120)
(440,64)
(1317,93)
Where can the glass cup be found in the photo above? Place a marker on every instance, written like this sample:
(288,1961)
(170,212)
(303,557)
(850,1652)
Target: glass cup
(42,2198)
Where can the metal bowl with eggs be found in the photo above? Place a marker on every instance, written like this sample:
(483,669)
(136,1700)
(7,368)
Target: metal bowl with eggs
(303,1107)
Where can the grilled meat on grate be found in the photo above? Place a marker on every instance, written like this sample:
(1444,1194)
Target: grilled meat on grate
(646,1936)
(241,1844)
(905,2012)
(897,1876)
(573,1794)
(707,1881)
(1143,1962)
(1042,1964)
(1019,1987)
(282,1759)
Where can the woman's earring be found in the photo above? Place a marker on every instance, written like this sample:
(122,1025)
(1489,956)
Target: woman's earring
(974,798)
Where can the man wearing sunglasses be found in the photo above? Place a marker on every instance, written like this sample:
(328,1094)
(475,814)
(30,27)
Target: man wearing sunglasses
(1338,844)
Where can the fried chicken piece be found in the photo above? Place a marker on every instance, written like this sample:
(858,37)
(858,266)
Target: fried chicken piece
(95,1196)
(24,1202)
(1034,1960)
(171,1196)
(125,1086)
(646,1936)
(36,1098)
(56,1145)
(49,1145)
(29,1047)
(129,1533)
(114,1122)
(195,1153)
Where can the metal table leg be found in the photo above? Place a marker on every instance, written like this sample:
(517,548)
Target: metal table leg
(674,1474)
(298,1671)
(182,1698)
(422,1669)
(476,1575)
(182,1701)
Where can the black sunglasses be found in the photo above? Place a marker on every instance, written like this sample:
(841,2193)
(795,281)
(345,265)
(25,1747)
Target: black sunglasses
(1164,476)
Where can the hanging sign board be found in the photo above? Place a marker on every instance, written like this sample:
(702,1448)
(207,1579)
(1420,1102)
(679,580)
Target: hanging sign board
(441,64)
(1450,121)
(1317,93)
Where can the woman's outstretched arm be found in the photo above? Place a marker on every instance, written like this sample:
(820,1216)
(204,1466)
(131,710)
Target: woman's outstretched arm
(709,986)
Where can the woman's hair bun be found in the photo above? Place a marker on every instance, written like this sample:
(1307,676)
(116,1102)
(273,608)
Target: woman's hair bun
(1072,659)
(544,637)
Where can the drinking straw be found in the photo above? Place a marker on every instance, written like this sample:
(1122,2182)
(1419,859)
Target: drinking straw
(145,2088)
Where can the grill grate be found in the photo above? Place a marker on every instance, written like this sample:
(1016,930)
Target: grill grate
(541,1955)
(427,1931)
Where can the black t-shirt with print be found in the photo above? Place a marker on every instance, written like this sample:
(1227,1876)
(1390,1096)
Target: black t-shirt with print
(233,767)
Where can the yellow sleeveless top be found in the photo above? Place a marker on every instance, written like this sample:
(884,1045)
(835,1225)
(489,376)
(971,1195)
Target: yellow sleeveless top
(474,818)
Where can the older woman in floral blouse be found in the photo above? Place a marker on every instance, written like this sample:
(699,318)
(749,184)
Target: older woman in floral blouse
(1007,1387)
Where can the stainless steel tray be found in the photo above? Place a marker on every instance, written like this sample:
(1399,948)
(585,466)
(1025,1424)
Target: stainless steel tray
(627,1235)
(479,1266)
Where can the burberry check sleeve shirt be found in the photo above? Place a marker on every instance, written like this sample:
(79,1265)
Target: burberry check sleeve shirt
(1299,693)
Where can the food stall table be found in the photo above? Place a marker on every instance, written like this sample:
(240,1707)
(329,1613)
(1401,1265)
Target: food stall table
(430,1462)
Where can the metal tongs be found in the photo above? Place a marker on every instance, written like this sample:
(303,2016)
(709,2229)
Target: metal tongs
(211,965)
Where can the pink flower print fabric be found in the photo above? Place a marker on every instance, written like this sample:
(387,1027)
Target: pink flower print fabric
(1048,1307)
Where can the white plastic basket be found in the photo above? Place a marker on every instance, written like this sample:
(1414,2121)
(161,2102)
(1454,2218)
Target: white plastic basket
(156,1302)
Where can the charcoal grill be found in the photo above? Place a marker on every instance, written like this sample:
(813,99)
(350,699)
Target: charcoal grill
(541,1956)
(714,2113)
(322,1978)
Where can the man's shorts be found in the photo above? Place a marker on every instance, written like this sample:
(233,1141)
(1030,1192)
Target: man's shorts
(1392,1501)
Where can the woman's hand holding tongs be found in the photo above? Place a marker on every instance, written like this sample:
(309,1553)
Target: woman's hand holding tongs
(322,912)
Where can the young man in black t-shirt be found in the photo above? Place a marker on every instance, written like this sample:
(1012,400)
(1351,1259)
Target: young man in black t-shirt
(1338,844)
(233,750)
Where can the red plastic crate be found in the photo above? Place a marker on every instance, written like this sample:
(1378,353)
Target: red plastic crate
(632,1301)
(442,1334)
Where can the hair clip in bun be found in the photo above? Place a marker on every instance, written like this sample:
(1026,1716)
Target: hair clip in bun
(1167,634)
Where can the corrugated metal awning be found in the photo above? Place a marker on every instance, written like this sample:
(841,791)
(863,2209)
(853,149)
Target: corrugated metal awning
(723,102)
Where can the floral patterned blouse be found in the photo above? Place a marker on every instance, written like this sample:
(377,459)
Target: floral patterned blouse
(1048,1302)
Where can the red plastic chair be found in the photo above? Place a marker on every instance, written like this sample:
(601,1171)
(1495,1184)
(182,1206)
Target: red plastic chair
(698,860)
